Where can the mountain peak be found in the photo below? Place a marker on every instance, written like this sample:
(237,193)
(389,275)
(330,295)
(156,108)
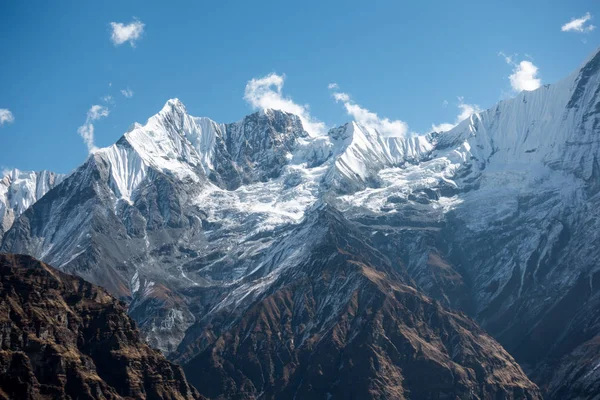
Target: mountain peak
(173,112)
(173,104)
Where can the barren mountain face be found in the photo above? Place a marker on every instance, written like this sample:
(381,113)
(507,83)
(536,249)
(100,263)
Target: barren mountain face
(64,338)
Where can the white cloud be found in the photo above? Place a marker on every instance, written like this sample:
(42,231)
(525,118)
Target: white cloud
(369,119)
(466,110)
(97,112)
(6,117)
(333,86)
(524,76)
(344,97)
(107,99)
(266,92)
(122,33)
(579,24)
(508,59)
(443,127)
(86,131)
(127,93)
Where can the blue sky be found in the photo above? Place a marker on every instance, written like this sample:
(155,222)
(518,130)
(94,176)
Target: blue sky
(413,63)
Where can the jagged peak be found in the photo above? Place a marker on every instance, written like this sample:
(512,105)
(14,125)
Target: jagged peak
(343,132)
(173,104)
(173,113)
(270,114)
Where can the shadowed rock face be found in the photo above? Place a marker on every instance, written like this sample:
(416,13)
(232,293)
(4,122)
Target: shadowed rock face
(64,338)
(344,324)
(577,374)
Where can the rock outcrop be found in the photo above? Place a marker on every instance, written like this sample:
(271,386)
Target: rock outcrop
(64,338)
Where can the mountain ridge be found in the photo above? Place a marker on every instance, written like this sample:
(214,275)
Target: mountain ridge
(63,337)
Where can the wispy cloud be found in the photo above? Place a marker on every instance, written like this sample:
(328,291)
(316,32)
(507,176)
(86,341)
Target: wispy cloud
(122,33)
(466,110)
(579,24)
(340,96)
(6,117)
(369,119)
(127,93)
(524,76)
(86,131)
(266,92)
(107,99)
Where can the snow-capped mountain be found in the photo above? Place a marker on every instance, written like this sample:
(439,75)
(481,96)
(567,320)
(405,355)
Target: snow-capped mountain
(180,190)
(197,224)
(19,190)
(502,220)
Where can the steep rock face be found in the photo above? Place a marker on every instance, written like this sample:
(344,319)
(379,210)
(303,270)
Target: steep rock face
(62,337)
(19,190)
(542,149)
(576,374)
(258,147)
(342,323)
(94,225)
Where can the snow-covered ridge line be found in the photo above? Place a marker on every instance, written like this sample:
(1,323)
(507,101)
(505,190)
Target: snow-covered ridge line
(256,148)
(556,126)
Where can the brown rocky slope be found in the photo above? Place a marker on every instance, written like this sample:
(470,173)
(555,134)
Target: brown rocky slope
(64,338)
(344,324)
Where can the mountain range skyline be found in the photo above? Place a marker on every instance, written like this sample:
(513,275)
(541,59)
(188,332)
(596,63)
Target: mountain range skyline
(120,74)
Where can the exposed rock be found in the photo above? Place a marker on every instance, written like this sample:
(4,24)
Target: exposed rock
(577,374)
(64,338)
(343,324)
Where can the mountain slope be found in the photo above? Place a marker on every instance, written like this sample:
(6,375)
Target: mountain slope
(341,323)
(19,190)
(64,338)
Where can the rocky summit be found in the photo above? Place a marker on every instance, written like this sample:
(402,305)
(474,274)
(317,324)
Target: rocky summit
(64,338)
